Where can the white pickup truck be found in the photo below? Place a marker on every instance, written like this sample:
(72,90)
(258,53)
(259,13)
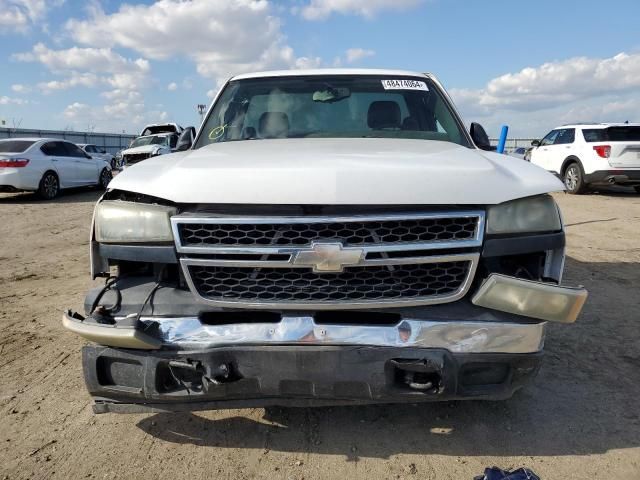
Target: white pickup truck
(327,237)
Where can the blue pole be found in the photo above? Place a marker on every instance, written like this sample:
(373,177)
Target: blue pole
(503,139)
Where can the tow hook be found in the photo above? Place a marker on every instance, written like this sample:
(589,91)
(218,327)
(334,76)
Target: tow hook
(423,375)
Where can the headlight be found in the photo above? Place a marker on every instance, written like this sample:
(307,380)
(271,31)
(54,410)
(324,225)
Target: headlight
(126,222)
(526,215)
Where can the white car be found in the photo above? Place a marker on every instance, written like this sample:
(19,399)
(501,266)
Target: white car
(146,147)
(329,237)
(98,152)
(591,154)
(47,165)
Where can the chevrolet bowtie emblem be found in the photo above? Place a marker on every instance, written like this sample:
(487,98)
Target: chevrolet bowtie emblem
(328,257)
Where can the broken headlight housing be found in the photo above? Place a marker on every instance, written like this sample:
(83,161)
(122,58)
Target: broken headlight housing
(525,215)
(118,221)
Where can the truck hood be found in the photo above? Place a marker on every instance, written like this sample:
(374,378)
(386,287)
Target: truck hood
(350,171)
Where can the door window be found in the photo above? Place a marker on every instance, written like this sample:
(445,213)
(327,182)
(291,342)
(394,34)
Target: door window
(550,138)
(54,149)
(565,136)
(73,150)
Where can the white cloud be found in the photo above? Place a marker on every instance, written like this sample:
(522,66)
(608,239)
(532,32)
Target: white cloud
(172,86)
(229,37)
(75,58)
(322,9)
(20,88)
(355,54)
(124,79)
(19,15)
(539,98)
(557,82)
(4,100)
(88,67)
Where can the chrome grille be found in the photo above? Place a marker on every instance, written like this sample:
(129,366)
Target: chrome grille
(349,233)
(377,283)
(329,262)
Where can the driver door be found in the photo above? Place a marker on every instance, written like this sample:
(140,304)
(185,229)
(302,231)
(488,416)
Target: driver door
(542,154)
(86,168)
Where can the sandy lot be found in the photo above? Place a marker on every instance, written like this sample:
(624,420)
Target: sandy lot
(580,417)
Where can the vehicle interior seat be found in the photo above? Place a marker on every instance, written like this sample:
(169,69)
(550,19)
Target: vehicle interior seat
(384,114)
(273,125)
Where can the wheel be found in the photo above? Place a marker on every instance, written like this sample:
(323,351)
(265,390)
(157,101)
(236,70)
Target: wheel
(49,187)
(105,178)
(573,179)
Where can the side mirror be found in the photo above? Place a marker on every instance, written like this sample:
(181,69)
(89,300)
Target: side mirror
(480,137)
(535,143)
(185,140)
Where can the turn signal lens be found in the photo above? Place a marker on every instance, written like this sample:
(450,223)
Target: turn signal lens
(603,151)
(14,162)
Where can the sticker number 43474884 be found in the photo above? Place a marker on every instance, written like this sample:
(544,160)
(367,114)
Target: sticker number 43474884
(404,85)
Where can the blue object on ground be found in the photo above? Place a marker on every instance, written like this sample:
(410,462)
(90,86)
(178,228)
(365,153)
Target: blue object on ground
(503,139)
(494,473)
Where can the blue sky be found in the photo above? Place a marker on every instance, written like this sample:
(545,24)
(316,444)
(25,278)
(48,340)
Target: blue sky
(113,66)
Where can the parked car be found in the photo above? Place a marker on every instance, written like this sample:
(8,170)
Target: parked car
(47,165)
(518,152)
(148,146)
(585,155)
(328,237)
(98,152)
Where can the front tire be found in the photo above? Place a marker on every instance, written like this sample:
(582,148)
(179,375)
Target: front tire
(49,186)
(105,178)
(574,179)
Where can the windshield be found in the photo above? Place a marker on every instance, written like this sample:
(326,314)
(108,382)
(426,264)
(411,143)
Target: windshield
(15,146)
(342,106)
(152,140)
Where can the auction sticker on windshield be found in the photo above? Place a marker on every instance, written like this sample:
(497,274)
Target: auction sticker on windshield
(404,85)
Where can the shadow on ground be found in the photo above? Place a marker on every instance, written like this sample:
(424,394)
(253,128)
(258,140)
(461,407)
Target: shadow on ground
(71,195)
(578,405)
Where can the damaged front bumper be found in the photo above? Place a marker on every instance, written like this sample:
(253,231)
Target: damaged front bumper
(481,349)
(131,381)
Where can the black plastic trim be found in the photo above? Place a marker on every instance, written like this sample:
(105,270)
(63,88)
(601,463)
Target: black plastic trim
(292,375)
(619,176)
(139,253)
(497,247)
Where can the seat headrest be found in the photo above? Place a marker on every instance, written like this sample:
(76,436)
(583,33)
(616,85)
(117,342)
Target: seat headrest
(383,114)
(273,125)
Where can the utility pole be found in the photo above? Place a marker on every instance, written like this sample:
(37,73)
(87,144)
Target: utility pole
(202,108)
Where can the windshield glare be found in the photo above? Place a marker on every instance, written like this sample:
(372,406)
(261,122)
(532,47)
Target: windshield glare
(343,106)
(152,140)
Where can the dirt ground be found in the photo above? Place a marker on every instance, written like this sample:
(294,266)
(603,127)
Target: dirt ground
(578,420)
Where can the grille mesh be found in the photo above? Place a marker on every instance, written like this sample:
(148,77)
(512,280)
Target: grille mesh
(349,233)
(132,158)
(372,283)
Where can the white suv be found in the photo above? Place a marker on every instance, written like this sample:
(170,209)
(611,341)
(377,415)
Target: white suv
(591,154)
